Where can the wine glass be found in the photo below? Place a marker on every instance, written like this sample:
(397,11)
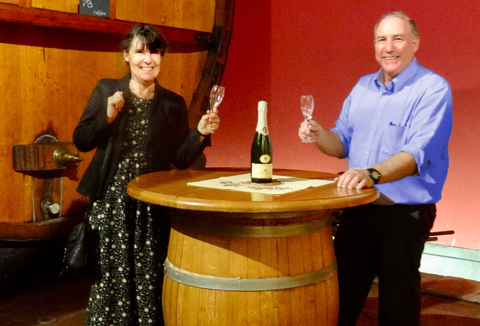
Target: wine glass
(216,97)
(306,104)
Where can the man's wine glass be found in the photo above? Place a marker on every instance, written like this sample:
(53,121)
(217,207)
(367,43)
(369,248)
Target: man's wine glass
(216,97)
(306,104)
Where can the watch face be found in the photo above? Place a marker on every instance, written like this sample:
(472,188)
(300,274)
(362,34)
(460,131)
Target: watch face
(374,175)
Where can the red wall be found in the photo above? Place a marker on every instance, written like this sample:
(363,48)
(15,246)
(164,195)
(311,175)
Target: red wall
(283,48)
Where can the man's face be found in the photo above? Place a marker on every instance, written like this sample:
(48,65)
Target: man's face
(395,46)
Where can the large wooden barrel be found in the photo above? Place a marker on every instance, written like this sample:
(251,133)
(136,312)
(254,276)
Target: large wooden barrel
(250,269)
(51,58)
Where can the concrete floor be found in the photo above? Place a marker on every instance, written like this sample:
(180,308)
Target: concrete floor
(446,301)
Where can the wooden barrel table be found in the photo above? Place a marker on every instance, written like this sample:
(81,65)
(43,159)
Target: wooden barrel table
(240,258)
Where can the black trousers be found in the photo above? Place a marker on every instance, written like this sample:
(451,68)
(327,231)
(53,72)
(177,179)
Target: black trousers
(383,241)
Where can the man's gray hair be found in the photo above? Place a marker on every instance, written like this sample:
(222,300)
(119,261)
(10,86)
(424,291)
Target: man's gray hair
(401,15)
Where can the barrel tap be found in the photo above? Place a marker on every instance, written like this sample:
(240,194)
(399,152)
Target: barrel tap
(62,157)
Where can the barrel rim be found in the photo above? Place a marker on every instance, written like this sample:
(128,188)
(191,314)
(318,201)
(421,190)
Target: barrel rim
(232,229)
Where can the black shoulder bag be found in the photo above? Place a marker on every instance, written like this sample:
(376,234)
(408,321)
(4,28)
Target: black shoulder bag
(78,249)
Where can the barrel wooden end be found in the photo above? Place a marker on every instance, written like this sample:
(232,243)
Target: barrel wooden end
(227,269)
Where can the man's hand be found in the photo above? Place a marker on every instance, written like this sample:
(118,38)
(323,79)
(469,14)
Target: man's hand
(354,179)
(308,131)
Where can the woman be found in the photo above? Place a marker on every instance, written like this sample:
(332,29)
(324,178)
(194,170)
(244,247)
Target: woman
(137,127)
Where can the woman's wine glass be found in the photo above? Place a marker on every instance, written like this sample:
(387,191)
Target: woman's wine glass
(216,97)
(306,104)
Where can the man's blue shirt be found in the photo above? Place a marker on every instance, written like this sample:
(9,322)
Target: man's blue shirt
(412,114)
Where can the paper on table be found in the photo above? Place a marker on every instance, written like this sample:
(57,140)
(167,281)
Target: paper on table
(280,185)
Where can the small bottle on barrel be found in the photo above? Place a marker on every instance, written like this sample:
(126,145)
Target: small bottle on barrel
(261,159)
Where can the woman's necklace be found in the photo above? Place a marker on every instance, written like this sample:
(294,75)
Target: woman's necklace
(142,92)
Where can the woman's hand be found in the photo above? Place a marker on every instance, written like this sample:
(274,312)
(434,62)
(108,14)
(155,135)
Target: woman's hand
(209,123)
(115,104)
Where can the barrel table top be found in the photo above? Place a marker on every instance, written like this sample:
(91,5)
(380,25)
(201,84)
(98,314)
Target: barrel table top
(170,189)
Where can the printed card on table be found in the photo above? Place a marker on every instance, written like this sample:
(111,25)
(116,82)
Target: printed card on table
(280,184)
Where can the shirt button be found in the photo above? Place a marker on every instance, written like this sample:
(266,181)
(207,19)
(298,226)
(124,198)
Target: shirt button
(366,152)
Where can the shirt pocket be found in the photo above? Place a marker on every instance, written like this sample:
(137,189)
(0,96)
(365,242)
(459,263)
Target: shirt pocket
(393,139)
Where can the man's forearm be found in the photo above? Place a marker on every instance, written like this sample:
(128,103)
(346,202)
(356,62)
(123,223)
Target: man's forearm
(329,143)
(396,167)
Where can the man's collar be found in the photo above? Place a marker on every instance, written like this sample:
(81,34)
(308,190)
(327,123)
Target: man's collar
(399,81)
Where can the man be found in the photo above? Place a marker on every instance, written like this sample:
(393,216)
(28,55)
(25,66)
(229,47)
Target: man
(394,128)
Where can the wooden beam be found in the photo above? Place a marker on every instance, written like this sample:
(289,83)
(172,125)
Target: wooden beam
(65,20)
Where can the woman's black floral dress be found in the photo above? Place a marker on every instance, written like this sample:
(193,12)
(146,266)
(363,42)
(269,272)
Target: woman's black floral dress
(131,240)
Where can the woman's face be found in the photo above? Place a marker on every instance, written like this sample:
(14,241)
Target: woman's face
(144,65)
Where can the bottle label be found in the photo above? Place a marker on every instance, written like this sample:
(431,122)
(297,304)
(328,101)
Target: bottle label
(265,158)
(262,171)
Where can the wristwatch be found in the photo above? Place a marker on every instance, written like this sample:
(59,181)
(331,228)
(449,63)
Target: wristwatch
(374,175)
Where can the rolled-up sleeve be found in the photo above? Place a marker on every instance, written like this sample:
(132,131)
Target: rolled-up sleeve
(341,127)
(430,127)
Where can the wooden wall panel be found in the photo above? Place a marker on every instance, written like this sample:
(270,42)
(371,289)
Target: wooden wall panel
(46,89)
(47,76)
(13,2)
(12,185)
(60,5)
(190,14)
(181,72)
(51,59)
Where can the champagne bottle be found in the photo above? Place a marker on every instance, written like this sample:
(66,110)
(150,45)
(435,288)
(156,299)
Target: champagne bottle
(261,159)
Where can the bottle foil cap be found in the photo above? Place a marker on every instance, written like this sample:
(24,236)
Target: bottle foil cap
(262,106)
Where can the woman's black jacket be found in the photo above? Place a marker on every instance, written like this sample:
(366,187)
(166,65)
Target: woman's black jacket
(169,139)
